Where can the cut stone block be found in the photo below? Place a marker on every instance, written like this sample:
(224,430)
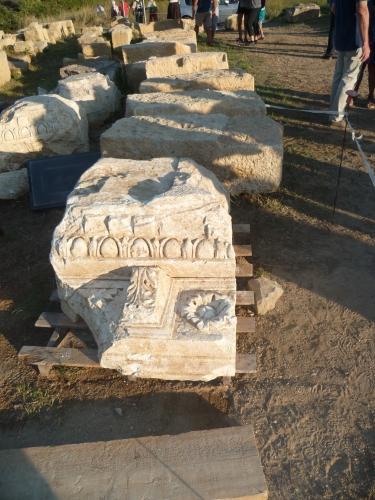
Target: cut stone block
(40,46)
(97,47)
(96,30)
(5,75)
(27,47)
(13,184)
(267,292)
(96,95)
(17,68)
(142,51)
(302,12)
(46,124)
(204,102)
(231,80)
(103,65)
(121,35)
(20,57)
(187,37)
(174,65)
(245,154)
(144,255)
(8,40)
(166,24)
(36,33)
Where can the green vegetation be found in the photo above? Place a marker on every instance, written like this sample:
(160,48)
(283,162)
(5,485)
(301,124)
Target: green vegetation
(83,11)
(34,399)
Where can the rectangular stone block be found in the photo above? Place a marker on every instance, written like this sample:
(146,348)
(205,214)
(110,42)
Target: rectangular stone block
(231,80)
(205,102)
(121,35)
(97,48)
(36,33)
(165,24)
(174,65)
(245,154)
(4,68)
(187,37)
(142,51)
(27,47)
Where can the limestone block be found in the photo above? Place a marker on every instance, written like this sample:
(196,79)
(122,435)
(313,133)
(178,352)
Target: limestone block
(231,23)
(267,292)
(245,154)
(174,65)
(187,24)
(1,34)
(103,65)
(8,40)
(55,30)
(13,184)
(36,33)
(96,30)
(68,27)
(205,102)
(144,255)
(166,24)
(187,37)
(27,47)
(20,57)
(97,47)
(302,12)
(231,80)
(4,69)
(142,51)
(46,124)
(17,68)
(96,95)
(40,46)
(121,35)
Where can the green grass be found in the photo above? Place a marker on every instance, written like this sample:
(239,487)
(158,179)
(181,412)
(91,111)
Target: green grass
(34,399)
(275,7)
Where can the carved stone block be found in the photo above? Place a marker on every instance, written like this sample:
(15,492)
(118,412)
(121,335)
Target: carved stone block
(144,255)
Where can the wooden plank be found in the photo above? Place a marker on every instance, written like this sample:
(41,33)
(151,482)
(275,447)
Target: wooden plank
(245,298)
(54,339)
(245,324)
(242,250)
(215,463)
(243,268)
(58,320)
(245,363)
(85,358)
(241,228)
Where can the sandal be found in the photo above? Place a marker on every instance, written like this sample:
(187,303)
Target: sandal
(371,104)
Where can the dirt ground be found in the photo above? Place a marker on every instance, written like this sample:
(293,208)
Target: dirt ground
(312,400)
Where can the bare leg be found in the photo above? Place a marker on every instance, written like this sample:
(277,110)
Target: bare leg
(371,85)
(239,25)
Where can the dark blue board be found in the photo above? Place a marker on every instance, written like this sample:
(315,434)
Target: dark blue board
(52,179)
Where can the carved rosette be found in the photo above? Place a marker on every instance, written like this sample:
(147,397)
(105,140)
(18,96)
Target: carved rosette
(208,312)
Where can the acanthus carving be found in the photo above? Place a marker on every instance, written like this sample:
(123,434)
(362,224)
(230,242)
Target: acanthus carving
(141,293)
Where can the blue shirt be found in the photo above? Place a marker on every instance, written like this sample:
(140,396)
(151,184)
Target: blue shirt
(346,26)
(204,6)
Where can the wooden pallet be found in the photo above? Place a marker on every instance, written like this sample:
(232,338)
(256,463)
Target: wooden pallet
(72,345)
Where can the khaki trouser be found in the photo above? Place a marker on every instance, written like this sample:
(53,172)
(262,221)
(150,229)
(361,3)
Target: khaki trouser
(344,79)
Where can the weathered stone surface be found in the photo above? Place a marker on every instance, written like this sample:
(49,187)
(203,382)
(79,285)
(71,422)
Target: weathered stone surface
(1,34)
(165,24)
(20,57)
(103,65)
(204,102)
(27,47)
(245,154)
(36,33)
(40,46)
(58,30)
(267,292)
(13,184)
(121,35)
(231,80)
(231,23)
(47,124)
(4,68)
(144,50)
(302,12)
(144,255)
(96,95)
(187,37)
(8,40)
(95,47)
(96,30)
(17,68)
(174,65)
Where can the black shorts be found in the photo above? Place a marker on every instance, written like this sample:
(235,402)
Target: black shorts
(243,10)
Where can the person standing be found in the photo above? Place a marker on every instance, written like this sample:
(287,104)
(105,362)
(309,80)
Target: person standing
(115,11)
(252,21)
(215,17)
(174,11)
(371,61)
(202,13)
(242,17)
(261,19)
(352,45)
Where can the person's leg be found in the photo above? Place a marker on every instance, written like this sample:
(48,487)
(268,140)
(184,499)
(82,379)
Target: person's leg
(246,26)
(371,84)
(329,49)
(215,20)
(350,69)
(198,22)
(256,26)
(239,25)
(208,26)
(250,23)
(337,76)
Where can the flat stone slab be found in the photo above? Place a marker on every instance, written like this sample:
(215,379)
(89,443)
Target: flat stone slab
(144,255)
(217,463)
(142,51)
(245,154)
(187,37)
(174,65)
(215,80)
(204,102)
